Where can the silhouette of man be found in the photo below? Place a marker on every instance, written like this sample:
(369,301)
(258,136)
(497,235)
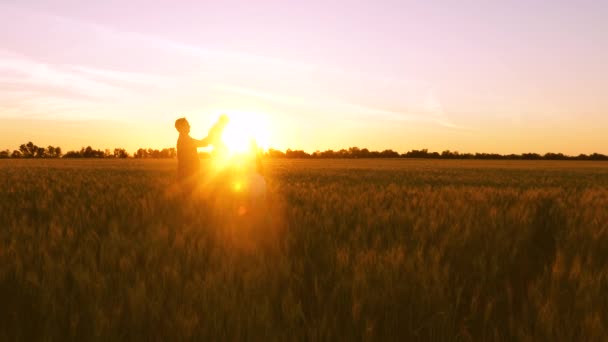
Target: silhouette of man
(188,163)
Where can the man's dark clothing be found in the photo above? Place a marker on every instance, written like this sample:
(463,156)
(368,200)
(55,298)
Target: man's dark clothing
(188,164)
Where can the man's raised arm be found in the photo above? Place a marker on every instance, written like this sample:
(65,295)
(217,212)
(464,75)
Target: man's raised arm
(201,143)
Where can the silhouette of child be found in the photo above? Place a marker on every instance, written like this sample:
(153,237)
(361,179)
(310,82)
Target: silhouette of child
(215,135)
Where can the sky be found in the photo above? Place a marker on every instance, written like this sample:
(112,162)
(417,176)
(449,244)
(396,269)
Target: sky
(468,76)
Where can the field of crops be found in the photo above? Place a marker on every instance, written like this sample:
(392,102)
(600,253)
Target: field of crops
(338,250)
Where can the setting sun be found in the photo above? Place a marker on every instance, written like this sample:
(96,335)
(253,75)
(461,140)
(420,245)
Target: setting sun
(242,129)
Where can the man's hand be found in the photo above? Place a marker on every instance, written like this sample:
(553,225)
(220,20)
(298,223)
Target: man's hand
(203,142)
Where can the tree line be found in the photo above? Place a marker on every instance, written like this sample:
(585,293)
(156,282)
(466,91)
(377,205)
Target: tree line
(355,152)
(31,150)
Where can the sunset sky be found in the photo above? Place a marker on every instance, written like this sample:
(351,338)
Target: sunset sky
(471,76)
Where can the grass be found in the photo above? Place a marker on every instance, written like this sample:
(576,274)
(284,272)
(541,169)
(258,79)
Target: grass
(340,250)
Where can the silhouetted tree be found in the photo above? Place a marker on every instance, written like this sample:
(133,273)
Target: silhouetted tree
(28,150)
(164,153)
(272,153)
(597,156)
(40,152)
(374,154)
(168,153)
(120,153)
(327,154)
(72,154)
(4,154)
(16,154)
(424,153)
(389,154)
(141,153)
(296,154)
(87,152)
(50,151)
(554,156)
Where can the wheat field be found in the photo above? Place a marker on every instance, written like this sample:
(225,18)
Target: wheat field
(424,250)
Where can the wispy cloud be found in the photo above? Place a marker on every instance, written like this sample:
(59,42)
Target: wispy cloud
(321,88)
(32,88)
(430,109)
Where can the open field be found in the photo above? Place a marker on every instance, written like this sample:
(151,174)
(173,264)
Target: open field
(340,250)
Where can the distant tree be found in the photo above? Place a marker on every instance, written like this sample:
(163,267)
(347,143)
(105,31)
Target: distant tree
(489,156)
(424,153)
(40,152)
(141,153)
(16,154)
(120,153)
(597,156)
(28,150)
(327,154)
(364,153)
(272,153)
(5,154)
(554,156)
(87,152)
(32,149)
(354,151)
(389,154)
(296,154)
(168,153)
(374,154)
(72,154)
(50,152)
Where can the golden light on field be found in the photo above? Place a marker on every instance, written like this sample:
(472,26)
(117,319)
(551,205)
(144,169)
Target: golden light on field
(243,128)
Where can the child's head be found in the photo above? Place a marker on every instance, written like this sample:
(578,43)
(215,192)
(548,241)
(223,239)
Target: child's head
(223,120)
(182,125)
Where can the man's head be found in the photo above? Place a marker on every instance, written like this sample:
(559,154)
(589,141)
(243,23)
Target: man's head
(182,125)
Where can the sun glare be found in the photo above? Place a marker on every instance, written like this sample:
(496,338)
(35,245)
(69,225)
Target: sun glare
(242,128)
